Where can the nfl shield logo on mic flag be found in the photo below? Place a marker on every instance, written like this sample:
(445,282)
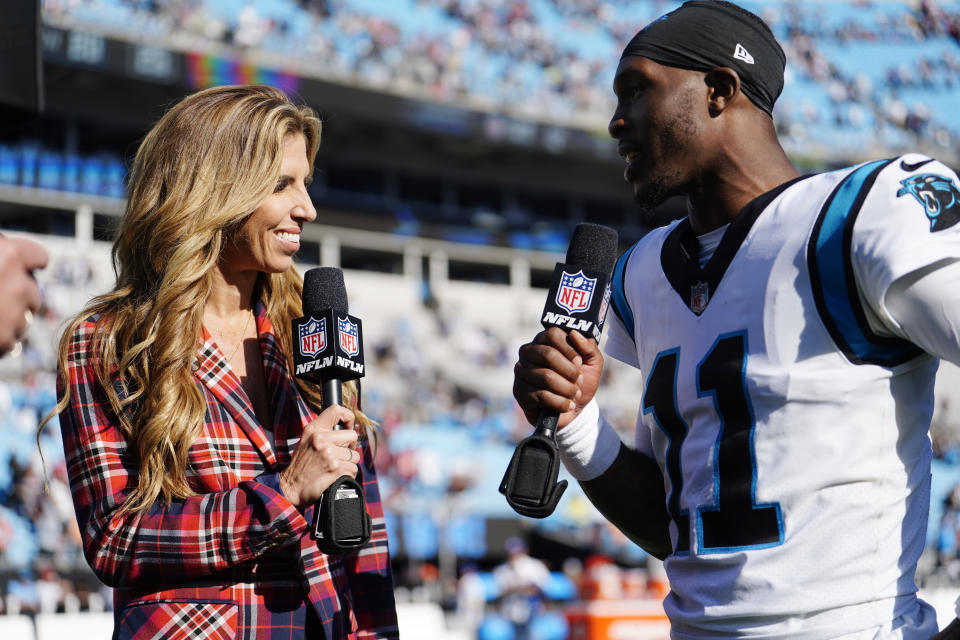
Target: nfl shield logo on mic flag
(313,337)
(575,292)
(349,336)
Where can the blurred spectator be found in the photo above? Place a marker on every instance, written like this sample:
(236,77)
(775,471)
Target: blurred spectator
(471,598)
(521,581)
(601,579)
(51,589)
(23,597)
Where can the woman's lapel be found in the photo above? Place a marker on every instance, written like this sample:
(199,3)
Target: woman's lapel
(213,371)
(290,412)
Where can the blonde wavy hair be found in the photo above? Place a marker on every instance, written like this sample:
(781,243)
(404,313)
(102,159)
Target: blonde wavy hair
(203,168)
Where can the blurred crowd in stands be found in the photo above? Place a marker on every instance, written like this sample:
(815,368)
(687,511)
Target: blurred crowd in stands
(884,72)
(875,72)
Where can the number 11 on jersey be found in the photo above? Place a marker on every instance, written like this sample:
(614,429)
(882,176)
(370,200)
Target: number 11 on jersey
(735,521)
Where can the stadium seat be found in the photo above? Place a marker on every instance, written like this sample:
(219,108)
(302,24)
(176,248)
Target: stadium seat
(57,626)
(495,627)
(19,627)
(419,536)
(421,620)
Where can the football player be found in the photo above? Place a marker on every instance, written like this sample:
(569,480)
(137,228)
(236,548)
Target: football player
(788,330)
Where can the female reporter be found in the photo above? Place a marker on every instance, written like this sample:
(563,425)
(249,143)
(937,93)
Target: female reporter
(194,457)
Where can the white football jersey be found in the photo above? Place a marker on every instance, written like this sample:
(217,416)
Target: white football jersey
(788,418)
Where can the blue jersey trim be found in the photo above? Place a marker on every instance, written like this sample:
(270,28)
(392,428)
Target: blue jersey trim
(832,277)
(618,297)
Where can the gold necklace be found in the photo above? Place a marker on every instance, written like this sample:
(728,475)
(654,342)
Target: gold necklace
(242,333)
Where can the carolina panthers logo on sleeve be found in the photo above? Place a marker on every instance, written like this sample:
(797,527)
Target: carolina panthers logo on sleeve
(938,195)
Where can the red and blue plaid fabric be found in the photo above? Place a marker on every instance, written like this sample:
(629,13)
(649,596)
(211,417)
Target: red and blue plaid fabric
(236,560)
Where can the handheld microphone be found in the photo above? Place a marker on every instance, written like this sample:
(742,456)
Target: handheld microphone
(328,350)
(578,299)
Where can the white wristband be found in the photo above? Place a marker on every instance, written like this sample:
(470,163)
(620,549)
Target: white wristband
(589,444)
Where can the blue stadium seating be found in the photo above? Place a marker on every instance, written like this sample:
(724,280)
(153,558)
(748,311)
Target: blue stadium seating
(857,39)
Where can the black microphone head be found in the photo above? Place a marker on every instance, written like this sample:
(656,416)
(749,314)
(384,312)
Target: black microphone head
(323,289)
(593,247)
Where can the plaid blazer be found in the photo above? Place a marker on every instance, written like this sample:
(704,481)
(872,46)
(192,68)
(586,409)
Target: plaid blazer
(236,560)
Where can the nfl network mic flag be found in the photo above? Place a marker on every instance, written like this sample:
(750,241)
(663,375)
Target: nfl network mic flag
(578,299)
(329,344)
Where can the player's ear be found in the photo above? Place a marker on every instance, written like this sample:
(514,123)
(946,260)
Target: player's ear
(723,87)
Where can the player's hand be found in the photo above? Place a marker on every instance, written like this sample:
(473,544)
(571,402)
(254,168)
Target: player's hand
(558,371)
(19,295)
(321,456)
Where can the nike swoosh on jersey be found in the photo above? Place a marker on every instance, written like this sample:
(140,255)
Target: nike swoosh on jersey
(913,167)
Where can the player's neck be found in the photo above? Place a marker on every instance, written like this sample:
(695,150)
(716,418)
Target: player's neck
(744,174)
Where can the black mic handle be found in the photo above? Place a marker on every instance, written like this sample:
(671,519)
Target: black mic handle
(530,482)
(547,424)
(340,520)
(333,394)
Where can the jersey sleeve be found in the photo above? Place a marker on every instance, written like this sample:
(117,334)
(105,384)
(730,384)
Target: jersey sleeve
(925,307)
(621,339)
(907,232)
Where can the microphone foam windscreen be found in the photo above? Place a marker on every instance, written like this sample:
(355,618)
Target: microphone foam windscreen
(323,289)
(593,247)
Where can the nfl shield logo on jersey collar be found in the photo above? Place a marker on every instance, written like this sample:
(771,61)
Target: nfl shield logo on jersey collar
(699,297)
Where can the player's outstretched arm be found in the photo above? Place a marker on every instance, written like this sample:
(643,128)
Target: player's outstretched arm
(631,496)
(561,371)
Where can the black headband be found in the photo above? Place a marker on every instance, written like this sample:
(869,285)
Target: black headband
(705,34)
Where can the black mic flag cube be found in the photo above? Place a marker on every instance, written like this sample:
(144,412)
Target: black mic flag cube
(328,344)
